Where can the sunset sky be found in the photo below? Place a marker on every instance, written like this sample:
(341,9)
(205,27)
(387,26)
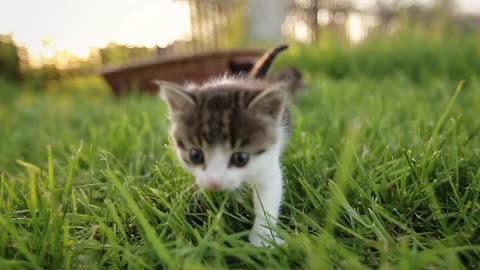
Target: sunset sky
(47,26)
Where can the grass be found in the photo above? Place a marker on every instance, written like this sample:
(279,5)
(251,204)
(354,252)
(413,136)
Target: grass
(417,56)
(379,173)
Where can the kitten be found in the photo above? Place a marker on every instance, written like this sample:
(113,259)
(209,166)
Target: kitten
(232,131)
(261,67)
(290,75)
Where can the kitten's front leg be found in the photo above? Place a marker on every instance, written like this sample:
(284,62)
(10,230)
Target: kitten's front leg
(267,197)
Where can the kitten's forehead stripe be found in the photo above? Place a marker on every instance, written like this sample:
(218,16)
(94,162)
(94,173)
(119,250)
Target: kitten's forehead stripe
(231,127)
(244,142)
(181,144)
(205,127)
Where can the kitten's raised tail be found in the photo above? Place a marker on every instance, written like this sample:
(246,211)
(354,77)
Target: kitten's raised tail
(261,67)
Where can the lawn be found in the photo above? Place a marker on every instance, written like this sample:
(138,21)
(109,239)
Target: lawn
(379,173)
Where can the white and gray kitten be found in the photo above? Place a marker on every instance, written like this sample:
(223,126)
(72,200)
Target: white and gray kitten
(232,131)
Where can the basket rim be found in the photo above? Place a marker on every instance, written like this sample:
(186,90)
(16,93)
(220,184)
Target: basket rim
(163,60)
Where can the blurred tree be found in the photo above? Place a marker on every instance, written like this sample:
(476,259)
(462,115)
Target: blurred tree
(9,59)
(116,53)
(307,19)
(433,17)
(215,23)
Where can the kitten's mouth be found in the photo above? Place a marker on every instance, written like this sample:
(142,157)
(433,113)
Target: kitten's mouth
(219,186)
(215,185)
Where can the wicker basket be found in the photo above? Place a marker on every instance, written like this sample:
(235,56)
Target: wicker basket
(192,68)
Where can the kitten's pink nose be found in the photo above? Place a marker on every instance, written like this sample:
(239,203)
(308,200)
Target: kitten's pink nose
(215,184)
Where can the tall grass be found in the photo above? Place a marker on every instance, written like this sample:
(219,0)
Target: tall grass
(378,174)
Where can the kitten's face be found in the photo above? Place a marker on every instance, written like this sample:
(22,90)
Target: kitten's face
(226,134)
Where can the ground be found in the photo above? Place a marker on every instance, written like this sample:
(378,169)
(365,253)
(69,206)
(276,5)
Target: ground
(379,173)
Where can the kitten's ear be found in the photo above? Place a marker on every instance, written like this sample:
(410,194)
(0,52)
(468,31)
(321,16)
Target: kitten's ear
(271,101)
(174,95)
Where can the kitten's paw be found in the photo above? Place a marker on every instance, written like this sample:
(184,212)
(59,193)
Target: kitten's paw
(265,239)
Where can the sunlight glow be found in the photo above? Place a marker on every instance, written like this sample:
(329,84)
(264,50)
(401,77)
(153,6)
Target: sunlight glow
(301,31)
(77,28)
(355,27)
(155,25)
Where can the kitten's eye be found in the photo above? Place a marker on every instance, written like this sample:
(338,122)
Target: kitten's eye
(239,159)
(196,156)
